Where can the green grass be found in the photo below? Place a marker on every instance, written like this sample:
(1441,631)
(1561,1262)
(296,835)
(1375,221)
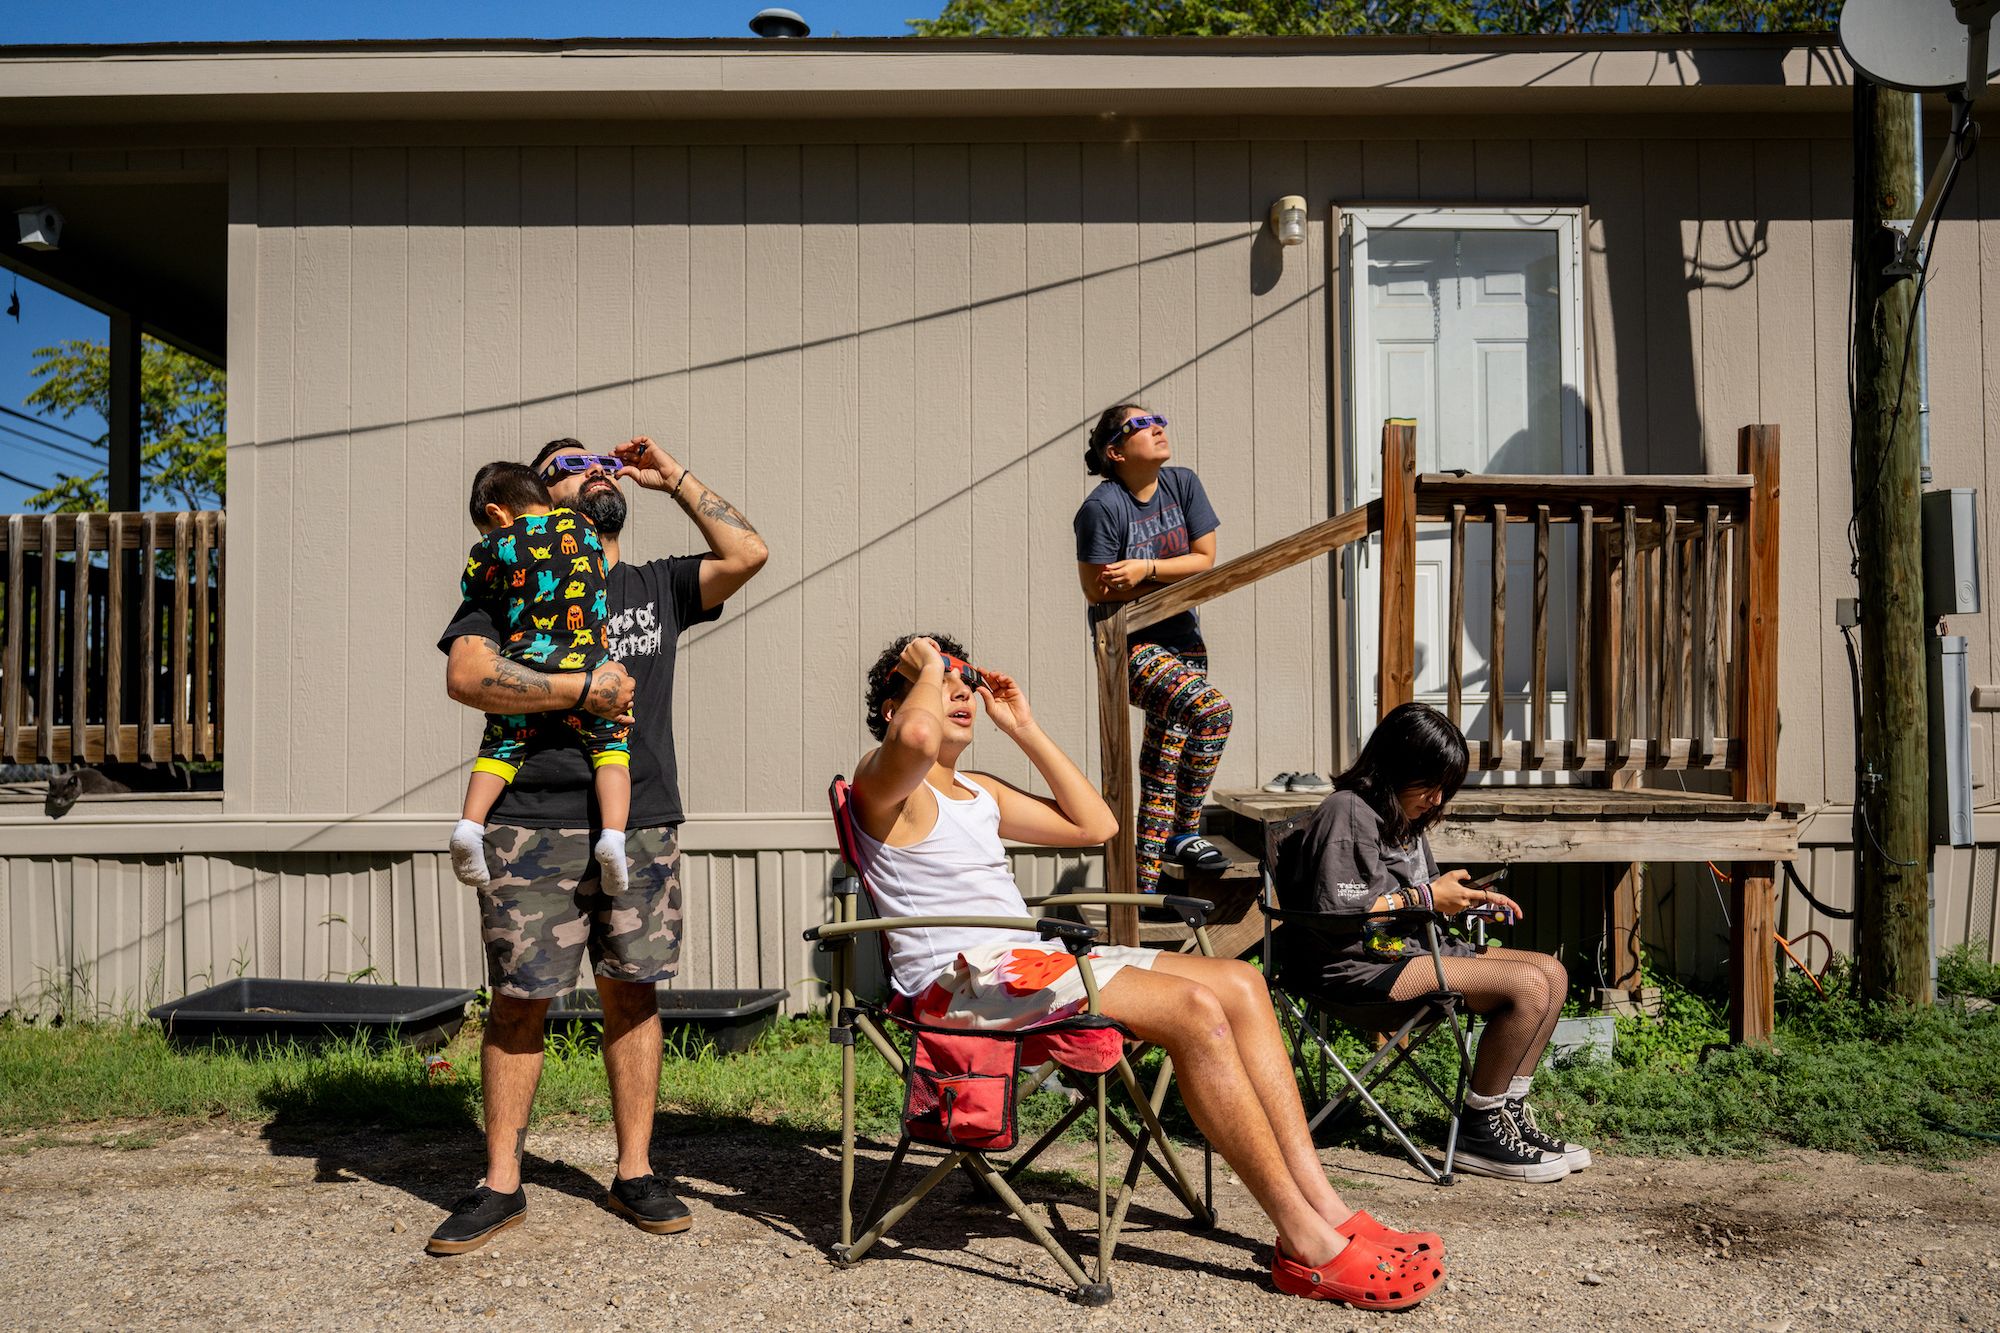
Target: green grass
(1840,1075)
(1967,971)
(53,1077)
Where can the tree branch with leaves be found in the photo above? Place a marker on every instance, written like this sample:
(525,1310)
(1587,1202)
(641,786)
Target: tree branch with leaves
(1358,18)
(182,438)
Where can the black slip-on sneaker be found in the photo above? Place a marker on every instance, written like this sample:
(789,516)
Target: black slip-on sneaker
(476,1219)
(647,1203)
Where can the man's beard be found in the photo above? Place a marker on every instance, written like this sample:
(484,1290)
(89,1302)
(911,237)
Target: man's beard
(604,507)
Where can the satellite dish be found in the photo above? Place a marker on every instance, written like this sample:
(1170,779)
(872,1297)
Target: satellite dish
(1920,46)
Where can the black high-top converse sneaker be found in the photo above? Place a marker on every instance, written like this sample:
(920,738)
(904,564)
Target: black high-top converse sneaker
(1535,1136)
(1490,1145)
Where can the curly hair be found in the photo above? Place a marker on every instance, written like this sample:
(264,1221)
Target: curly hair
(1101,436)
(886,683)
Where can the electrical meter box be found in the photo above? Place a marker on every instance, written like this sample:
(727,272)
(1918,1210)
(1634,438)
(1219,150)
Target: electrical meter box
(1951,553)
(1951,741)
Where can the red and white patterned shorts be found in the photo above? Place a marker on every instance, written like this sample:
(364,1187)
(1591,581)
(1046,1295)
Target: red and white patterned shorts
(1007,986)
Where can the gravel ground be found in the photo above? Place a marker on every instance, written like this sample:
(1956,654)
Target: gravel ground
(294,1228)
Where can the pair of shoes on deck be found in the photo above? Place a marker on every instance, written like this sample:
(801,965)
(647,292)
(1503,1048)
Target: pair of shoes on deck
(1381,1268)
(1310,784)
(468,857)
(1505,1142)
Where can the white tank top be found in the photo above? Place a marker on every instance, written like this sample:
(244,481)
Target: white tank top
(959,868)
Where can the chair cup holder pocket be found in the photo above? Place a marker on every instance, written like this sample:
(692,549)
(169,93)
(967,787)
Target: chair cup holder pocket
(960,1091)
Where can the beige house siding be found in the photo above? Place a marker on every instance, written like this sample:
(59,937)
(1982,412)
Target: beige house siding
(886,353)
(110,935)
(106,935)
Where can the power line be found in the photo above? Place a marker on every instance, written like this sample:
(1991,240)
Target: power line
(50,425)
(35,486)
(51,444)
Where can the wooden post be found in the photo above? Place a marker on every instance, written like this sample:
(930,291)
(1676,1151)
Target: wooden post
(1625,885)
(1397,637)
(1496,654)
(1114,745)
(124,366)
(1892,936)
(1752,972)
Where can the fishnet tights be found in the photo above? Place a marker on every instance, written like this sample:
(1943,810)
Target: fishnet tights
(1519,993)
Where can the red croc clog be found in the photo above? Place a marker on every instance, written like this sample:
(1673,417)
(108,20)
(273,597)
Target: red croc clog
(1367,1274)
(1360,1226)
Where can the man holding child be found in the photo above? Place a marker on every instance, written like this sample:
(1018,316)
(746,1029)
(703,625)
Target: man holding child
(543,908)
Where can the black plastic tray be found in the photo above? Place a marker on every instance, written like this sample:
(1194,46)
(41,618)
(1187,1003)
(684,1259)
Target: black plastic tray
(252,1010)
(728,1019)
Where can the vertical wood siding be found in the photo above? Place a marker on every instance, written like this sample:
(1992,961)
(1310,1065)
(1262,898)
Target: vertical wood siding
(888,355)
(114,935)
(104,936)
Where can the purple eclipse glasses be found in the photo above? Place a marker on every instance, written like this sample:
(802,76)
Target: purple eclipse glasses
(573,463)
(1133,425)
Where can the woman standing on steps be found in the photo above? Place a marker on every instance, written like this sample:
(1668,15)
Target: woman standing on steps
(1144,526)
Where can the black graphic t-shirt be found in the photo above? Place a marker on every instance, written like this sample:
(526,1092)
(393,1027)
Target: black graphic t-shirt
(649,606)
(1113,526)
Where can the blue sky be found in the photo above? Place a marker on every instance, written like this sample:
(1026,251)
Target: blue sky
(263,20)
(47,318)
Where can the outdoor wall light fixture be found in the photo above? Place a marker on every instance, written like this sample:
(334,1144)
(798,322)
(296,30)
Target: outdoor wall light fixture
(41,226)
(1288,220)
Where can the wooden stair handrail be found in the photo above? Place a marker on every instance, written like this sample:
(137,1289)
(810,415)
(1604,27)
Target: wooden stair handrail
(1437,492)
(1326,535)
(1114,726)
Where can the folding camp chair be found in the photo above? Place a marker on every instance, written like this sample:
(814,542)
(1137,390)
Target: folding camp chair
(961,1086)
(1306,1009)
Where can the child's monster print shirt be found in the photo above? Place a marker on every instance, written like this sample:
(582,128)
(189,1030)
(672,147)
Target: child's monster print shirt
(541,579)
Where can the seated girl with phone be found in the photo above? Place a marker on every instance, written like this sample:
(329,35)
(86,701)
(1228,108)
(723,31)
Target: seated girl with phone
(1364,850)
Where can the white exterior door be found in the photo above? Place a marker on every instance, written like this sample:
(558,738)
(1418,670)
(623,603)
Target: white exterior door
(1471,324)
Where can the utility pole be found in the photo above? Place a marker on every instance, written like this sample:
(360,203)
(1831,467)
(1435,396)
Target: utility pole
(1892,784)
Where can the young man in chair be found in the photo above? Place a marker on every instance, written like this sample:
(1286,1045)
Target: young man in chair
(931,844)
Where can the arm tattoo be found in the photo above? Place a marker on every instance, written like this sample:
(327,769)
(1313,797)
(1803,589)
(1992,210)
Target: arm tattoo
(711,505)
(515,678)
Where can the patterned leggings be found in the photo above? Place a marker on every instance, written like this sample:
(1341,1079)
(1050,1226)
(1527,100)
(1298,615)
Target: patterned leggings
(1187,724)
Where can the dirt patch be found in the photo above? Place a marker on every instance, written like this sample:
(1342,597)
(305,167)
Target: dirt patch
(222,1225)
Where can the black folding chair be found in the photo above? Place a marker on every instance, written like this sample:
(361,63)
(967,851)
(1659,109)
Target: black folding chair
(1307,1010)
(929,1101)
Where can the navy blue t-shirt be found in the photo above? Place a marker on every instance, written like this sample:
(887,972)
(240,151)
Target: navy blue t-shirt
(1112,526)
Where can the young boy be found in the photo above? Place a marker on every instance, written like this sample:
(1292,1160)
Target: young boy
(539,571)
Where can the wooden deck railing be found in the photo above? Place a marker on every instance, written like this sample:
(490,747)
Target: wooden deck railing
(1667,632)
(113,634)
(1674,663)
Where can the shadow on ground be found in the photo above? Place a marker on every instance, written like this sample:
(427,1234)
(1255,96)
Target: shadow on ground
(788,1182)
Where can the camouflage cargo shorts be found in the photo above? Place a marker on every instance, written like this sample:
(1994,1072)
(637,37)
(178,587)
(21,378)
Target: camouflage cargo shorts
(544,907)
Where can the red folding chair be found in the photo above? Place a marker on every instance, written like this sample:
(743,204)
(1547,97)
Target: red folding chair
(961,1087)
